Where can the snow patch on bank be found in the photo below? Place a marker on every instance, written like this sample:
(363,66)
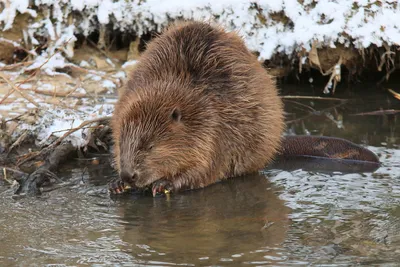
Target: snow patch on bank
(267,26)
(55,122)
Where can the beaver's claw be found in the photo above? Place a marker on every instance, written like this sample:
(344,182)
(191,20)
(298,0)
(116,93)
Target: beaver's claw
(117,186)
(162,186)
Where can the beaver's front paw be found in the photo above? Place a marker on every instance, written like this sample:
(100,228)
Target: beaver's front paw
(162,187)
(117,186)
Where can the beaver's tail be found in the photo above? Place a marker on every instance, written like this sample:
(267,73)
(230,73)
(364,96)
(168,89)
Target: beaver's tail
(328,153)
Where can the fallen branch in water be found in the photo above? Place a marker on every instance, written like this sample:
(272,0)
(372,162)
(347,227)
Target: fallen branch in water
(30,185)
(377,113)
(312,98)
(5,169)
(12,170)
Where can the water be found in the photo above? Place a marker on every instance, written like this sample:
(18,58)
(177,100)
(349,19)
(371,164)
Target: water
(281,218)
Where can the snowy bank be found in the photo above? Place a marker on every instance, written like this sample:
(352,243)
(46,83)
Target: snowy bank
(267,26)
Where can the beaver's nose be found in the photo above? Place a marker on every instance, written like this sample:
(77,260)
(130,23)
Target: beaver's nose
(128,176)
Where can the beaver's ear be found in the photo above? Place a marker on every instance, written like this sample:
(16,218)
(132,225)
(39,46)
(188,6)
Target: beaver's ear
(176,115)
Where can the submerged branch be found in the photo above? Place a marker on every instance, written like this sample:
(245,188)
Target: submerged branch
(30,185)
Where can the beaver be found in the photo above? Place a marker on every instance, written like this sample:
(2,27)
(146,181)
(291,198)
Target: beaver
(197,108)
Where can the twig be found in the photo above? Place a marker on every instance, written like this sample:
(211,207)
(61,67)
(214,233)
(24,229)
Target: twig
(313,98)
(32,155)
(88,127)
(83,124)
(19,116)
(5,176)
(18,141)
(91,71)
(300,104)
(31,185)
(387,75)
(383,59)
(17,46)
(100,50)
(377,112)
(32,75)
(27,97)
(60,94)
(17,172)
(315,113)
(395,94)
(74,89)
(12,170)
(27,79)
(12,66)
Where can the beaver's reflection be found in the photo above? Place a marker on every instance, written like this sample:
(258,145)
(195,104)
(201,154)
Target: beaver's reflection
(237,216)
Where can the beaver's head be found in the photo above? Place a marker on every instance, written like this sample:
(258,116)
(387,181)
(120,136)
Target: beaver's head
(161,133)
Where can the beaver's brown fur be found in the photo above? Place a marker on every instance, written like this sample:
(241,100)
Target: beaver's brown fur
(197,108)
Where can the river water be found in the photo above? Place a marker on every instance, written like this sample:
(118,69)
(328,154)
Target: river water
(279,217)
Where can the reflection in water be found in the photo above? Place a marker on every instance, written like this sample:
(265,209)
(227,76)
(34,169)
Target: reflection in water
(241,220)
(345,119)
(234,217)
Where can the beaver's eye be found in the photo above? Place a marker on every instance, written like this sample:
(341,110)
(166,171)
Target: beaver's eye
(150,147)
(176,115)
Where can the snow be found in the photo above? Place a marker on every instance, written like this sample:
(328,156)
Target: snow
(129,63)
(25,86)
(327,21)
(108,84)
(53,121)
(48,63)
(109,62)
(10,11)
(15,44)
(84,64)
(55,116)
(119,74)
(93,77)
(58,121)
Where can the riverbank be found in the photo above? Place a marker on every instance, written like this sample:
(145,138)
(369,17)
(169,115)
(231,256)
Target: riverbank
(336,38)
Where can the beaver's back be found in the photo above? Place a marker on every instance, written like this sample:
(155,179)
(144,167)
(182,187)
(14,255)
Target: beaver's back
(199,54)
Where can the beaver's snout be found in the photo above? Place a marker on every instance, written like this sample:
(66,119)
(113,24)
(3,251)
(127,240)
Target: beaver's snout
(128,176)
